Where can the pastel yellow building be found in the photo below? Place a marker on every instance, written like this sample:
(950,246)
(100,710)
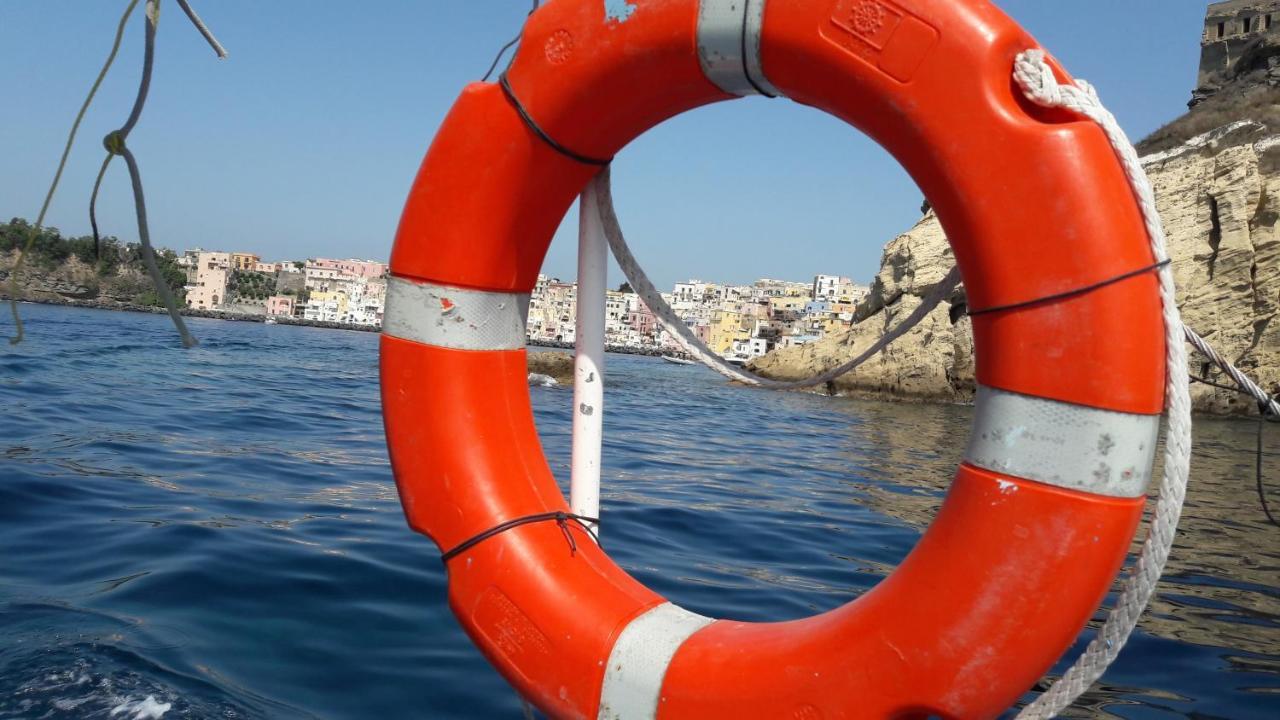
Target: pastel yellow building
(726,327)
(327,306)
(833,325)
(789,304)
(244,261)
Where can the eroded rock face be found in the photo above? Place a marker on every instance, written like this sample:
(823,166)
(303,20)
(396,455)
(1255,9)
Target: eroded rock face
(1220,207)
(1219,196)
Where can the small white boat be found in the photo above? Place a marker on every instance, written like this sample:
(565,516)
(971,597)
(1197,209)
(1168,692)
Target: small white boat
(677,360)
(270,321)
(736,359)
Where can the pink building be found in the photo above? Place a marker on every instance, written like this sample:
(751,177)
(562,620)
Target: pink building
(370,269)
(208,284)
(642,320)
(754,309)
(280,305)
(703,332)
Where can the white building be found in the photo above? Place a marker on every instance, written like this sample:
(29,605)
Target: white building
(827,287)
(366,301)
(688,294)
(324,278)
(552,311)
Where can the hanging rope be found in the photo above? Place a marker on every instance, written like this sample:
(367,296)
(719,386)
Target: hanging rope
(204,31)
(115,145)
(1268,408)
(1265,415)
(675,327)
(1036,80)
(1039,84)
(114,142)
(19,330)
(1257,467)
(511,43)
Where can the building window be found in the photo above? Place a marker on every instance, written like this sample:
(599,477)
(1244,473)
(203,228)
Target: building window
(1222,30)
(1266,24)
(1248,24)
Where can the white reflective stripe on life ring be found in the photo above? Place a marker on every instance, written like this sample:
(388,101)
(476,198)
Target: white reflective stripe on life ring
(638,662)
(729,45)
(1071,446)
(457,318)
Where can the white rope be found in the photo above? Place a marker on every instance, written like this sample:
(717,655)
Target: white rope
(203,29)
(1041,86)
(667,318)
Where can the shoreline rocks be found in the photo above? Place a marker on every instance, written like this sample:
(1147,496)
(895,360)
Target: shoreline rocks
(554,366)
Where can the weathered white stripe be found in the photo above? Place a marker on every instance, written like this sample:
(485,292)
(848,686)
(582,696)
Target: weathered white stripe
(639,660)
(729,45)
(1071,446)
(456,318)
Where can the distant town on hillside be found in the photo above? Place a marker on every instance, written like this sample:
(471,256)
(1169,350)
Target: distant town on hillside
(737,321)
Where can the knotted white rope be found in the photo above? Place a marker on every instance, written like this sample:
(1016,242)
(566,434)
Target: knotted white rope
(1039,84)
(667,318)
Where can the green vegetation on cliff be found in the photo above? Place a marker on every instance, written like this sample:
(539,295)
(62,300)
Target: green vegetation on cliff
(69,266)
(251,285)
(1259,103)
(1249,89)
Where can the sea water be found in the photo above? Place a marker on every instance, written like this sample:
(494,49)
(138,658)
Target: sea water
(215,533)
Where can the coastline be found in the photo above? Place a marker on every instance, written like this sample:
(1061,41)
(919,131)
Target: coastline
(851,392)
(118,306)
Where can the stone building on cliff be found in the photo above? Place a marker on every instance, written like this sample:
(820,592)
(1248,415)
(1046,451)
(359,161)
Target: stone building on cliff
(1240,36)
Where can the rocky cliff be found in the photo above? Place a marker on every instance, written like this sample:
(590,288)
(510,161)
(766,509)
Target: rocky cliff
(1219,196)
(73,278)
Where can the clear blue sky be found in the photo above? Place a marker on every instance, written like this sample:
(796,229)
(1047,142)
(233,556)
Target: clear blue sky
(305,141)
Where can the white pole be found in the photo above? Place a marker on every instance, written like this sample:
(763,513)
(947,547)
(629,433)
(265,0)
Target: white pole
(588,360)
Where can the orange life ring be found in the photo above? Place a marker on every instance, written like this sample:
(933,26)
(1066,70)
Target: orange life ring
(1040,515)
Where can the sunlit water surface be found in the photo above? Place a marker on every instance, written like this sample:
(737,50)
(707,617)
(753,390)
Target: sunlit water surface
(215,532)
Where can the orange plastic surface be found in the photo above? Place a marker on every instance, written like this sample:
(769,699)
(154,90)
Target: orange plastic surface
(994,592)
(466,457)
(1035,203)
(487,199)
(490,192)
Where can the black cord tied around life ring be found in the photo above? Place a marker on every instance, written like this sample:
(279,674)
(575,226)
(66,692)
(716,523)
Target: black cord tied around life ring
(560,517)
(537,129)
(1066,294)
